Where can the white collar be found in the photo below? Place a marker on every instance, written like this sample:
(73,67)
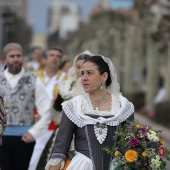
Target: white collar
(49,78)
(9,75)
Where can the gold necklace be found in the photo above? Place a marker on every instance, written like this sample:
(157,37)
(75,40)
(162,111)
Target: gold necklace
(96,104)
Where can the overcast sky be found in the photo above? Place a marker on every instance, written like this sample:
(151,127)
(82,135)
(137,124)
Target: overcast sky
(38,9)
(37,12)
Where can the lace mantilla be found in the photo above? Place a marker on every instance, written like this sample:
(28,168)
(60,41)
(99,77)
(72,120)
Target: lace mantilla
(73,109)
(114,87)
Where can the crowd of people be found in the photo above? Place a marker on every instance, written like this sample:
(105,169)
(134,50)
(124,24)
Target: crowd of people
(55,114)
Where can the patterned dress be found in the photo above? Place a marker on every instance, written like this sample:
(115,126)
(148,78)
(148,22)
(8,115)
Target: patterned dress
(2,119)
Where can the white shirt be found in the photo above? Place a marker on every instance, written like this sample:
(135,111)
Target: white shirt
(42,103)
(50,83)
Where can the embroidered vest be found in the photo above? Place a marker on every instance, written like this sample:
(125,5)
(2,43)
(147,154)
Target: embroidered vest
(19,102)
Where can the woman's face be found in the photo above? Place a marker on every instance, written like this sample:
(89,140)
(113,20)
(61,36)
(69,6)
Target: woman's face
(90,77)
(78,67)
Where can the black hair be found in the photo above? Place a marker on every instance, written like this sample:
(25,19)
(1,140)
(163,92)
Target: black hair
(5,67)
(63,63)
(51,49)
(35,48)
(101,65)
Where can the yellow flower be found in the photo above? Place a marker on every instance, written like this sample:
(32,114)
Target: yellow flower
(131,155)
(116,153)
(137,126)
(149,130)
(144,154)
(160,140)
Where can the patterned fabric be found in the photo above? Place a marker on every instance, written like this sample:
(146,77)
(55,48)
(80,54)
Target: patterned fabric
(2,117)
(19,102)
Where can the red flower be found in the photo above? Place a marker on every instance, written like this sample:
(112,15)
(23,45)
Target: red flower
(161,151)
(133,142)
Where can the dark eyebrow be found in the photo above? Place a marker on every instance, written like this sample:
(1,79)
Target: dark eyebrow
(89,70)
(12,55)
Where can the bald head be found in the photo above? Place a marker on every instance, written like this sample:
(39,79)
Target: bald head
(12,46)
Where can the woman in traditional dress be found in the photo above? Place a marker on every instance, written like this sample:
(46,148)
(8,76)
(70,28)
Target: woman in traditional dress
(92,117)
(67,88)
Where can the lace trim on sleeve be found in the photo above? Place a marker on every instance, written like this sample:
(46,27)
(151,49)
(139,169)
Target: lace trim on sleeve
(55,162)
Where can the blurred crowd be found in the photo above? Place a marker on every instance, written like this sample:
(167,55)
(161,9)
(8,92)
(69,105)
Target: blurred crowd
(39,95)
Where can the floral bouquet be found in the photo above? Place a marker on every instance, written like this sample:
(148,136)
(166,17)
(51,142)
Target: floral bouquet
(138,147)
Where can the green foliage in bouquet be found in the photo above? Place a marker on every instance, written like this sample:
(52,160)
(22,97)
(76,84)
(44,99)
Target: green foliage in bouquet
(138,147)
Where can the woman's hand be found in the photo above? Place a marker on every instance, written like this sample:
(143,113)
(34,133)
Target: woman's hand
(55,164)
(55,167)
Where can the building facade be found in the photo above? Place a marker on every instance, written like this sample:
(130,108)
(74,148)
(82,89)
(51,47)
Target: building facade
(63,16)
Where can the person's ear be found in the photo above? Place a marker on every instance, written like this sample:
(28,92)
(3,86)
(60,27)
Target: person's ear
(105,76)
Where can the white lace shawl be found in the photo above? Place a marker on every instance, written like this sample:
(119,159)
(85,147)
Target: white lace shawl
(77,108)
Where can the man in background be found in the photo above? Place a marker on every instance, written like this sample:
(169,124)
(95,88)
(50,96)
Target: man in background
(22,92)
(34,63)
(50,76)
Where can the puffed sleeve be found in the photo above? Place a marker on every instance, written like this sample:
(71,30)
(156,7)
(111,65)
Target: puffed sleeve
(62,142)
(64,136)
